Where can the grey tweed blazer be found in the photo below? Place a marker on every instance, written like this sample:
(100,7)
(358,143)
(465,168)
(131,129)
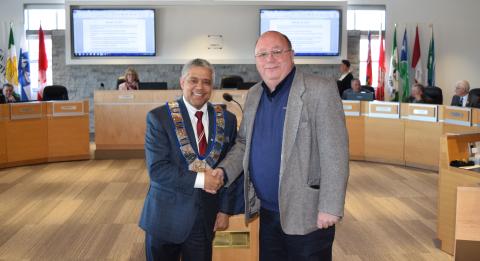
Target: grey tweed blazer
(314,164)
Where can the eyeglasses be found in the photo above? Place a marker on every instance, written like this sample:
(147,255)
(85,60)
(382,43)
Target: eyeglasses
(274,53)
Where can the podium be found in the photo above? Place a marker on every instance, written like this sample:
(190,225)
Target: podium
(452,147)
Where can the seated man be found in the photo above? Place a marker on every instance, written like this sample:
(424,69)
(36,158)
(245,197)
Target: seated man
(8,94)
(356,88)
(461,94)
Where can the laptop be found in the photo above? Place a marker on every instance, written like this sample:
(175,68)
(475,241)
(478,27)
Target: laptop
(152,85)
(361,96)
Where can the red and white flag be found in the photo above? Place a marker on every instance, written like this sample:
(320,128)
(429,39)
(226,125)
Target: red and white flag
(42,64)
(369,62)
(380,95)
(416,59)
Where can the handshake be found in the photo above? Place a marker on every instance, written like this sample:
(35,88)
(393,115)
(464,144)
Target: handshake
(213,180)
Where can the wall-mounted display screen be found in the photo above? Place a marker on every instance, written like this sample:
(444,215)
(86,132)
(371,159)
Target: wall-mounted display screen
(113,32)
(313,32)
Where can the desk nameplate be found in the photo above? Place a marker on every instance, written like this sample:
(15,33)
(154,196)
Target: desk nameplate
(351,108)
(457,115)
(389,110)
(423,112)
(21,111)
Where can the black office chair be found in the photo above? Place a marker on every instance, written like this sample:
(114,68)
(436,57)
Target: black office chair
(231,82)
(120,80)
(246,85)
(433,95)
(55,92)
(368,88)
(474,98)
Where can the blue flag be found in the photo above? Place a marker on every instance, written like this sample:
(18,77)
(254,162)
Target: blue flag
(24,75)
(431,62)
(404,68)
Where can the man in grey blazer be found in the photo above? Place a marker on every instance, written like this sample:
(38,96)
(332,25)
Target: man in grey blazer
(293,146)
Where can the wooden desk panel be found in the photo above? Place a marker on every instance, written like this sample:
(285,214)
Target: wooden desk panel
(356,137)
(384,140)
(120,116)
(26,134)
(422,144)
(4,116)
(68,130)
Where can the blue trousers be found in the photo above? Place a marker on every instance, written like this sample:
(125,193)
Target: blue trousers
(275,245)
(197,247)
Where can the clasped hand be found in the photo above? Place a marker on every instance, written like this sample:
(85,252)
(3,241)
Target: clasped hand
(213,180)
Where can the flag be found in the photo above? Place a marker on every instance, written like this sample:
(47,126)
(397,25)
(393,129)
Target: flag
(431,62)
(393,69)
(11,71)
(42,64)
(369,62)
(417,60)
(380,95)
(2,65)
(24,75)
(404,68)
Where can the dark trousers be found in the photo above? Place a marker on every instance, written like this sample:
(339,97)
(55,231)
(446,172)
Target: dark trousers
(197,247)
(275,245)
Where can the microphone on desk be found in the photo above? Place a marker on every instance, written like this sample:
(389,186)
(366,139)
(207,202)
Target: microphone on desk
(228,97)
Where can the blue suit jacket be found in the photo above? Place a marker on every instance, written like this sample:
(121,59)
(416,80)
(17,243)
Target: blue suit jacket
(172,203)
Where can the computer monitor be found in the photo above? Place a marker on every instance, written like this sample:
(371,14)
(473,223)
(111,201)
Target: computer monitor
(152,86)
(361,96)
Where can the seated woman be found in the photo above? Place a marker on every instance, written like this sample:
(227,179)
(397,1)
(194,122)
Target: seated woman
(131,80)
(8,94)
(418,95)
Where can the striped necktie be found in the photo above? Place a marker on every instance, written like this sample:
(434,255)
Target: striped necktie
(202,140)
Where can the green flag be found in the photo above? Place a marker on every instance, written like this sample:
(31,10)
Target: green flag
(431,62)
(393,70)
(404,69)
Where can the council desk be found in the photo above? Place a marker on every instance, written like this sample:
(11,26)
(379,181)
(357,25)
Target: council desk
(387,132)
(38,132)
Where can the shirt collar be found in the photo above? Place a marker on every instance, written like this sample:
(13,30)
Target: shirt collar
(192,110)
(287,81)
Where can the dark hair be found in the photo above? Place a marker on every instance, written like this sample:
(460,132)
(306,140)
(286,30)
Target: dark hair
(7,85)
(346,62)
(420,87)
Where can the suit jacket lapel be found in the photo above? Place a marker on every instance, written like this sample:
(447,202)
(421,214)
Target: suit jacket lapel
(188,125)
(292,117)
(211,123)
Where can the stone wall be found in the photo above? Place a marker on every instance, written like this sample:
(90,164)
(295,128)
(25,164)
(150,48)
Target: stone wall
(82,80)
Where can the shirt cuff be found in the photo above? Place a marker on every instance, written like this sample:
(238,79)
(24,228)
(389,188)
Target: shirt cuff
(200,180)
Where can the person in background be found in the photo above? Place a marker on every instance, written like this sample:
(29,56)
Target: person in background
(131,80)
(346,78)
(356,88)
(293,148)
(461,94)
(417,95)
(8,94)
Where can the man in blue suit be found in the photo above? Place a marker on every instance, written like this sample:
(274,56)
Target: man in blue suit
(184,141)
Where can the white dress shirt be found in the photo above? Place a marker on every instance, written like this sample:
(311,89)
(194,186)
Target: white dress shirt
(200,180)
(464,100)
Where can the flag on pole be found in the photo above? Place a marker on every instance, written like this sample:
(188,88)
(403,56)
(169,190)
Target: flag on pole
(417,60)
(24,75)
(404,74)
(380,95)
(369,62)
(431,62)
(393,69)
(11,71)
(42,64)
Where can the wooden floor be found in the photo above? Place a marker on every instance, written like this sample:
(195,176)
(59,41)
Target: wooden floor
(89,210)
